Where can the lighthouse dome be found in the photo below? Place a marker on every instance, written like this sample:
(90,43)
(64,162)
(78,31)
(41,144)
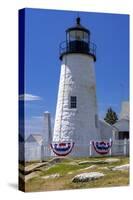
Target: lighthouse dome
(78,41)
(78,27)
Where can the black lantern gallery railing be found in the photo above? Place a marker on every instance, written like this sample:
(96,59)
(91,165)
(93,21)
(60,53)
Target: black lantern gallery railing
(77,47)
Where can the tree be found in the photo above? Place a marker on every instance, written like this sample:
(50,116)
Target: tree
(111,116)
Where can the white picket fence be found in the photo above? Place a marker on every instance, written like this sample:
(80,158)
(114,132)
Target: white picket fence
(119,148)
(36,152)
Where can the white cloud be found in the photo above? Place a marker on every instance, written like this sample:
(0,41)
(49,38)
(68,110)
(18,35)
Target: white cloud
(29,97)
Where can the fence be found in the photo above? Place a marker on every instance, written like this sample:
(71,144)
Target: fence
(36,152)
(32,151)
(118,148)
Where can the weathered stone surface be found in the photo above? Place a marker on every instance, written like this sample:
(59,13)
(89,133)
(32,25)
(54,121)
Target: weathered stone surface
(21,167)
(56,160)
(51,176)
(121,167)
(86,168)
(106,161)
(103,168)
(34,167)
(112,160)
(92,162)
(85,177)
(70,173)
(72,163)
(84,162)
(21,176)
(30,176)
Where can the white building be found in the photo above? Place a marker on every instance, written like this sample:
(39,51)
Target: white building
(35,138)
(124,114)
(105,130)
(118,132)
(33,146)
(37,146)
(121,127)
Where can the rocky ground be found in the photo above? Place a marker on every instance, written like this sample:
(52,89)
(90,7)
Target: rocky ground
(68,173)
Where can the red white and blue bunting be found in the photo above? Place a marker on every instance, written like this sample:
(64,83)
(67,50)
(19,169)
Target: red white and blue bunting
(102,147)
(62,148)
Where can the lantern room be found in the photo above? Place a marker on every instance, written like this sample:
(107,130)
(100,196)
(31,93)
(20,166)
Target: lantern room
(78,41)
(78,33)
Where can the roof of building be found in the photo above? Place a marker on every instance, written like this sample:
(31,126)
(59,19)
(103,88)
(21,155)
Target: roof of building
(122,125)
(35,138)
(104,122)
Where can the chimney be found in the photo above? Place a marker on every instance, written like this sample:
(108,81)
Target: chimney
(47,128)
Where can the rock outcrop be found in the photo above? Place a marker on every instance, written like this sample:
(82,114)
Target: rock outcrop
(86,177)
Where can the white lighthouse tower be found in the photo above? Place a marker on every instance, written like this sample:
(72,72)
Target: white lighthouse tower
(76,117)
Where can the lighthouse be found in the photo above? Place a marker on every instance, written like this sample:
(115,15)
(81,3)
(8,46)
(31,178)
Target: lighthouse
(76,118)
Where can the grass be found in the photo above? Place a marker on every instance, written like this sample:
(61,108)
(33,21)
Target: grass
(67,169)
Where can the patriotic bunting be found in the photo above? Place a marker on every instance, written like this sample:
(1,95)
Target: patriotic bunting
(62,148)
(102,147)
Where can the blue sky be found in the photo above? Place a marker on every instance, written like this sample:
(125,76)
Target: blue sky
(45,29)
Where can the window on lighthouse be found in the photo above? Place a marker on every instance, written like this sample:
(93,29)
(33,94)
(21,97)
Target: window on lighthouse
(79,35)
(76,35)
(86,37)
(72,35)
(73,102)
